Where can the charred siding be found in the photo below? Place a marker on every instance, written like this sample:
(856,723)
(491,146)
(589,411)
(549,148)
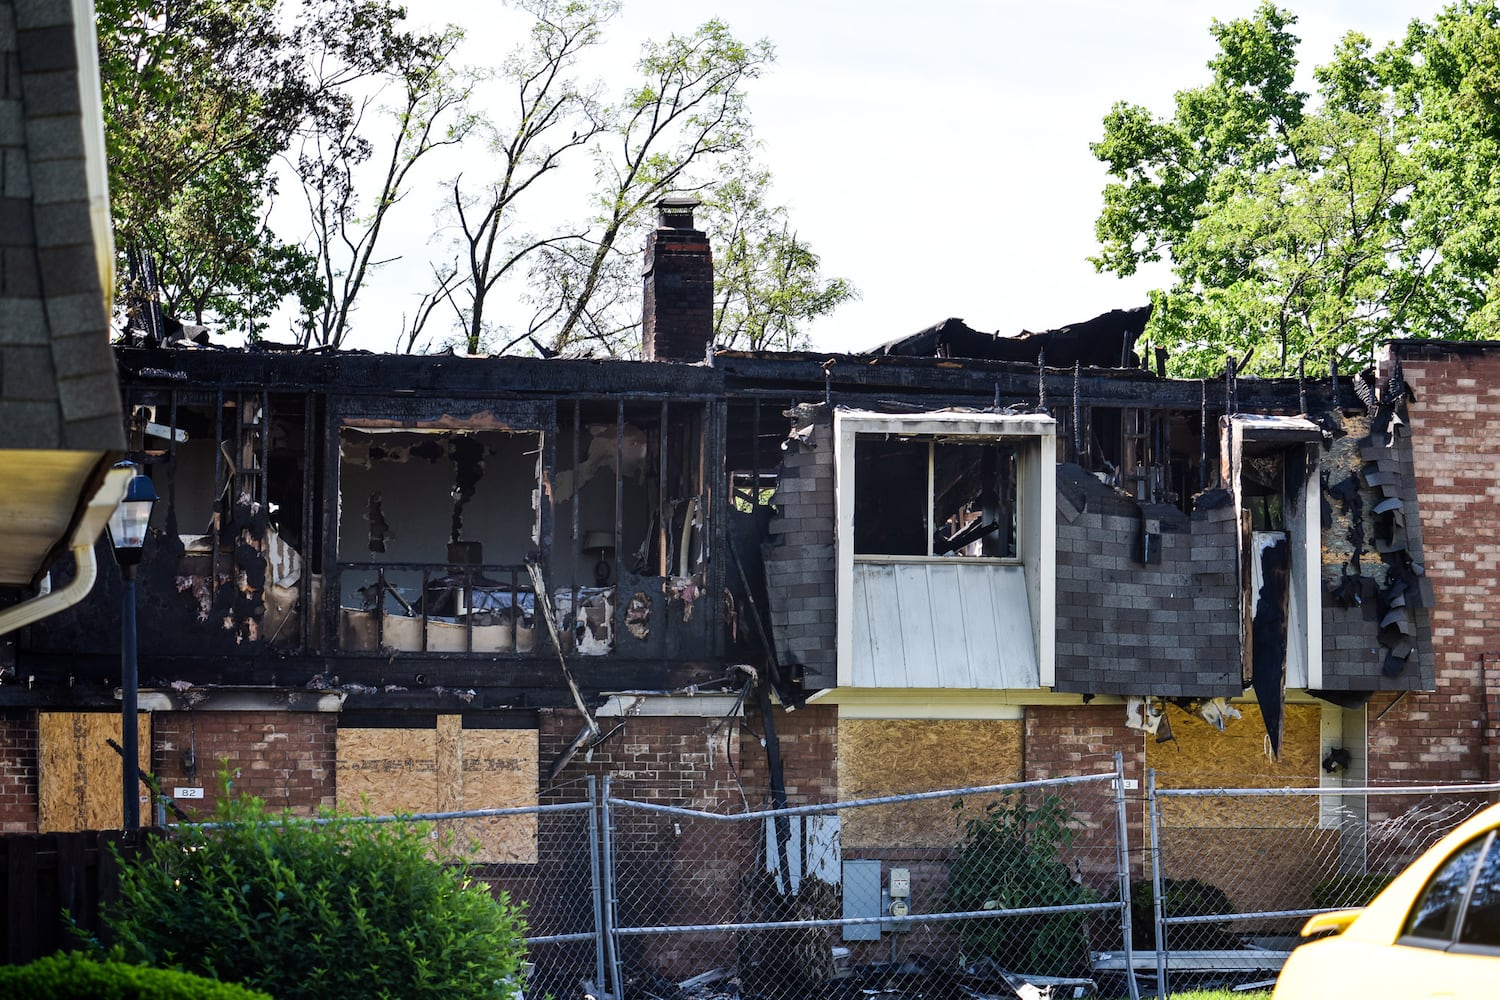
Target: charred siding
(1126,627)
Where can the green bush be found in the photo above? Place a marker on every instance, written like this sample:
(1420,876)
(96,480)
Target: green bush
(1011,858)
(75,977)
(1348,891)
(1181,897)
(300,909)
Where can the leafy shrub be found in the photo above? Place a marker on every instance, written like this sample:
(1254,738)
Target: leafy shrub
(310,910)
(1011,858)
(1181,897)
(75,977)
(1348,891)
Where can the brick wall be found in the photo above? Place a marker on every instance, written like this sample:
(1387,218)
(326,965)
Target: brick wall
(809,756)
(18,768)
(285,758)
(1124,627)
(1063,741)
(801,569)
(677,869)
(678,297)
(1437,735)
(668,759)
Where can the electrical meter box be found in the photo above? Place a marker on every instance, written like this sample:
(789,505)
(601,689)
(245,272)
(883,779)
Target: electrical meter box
(900,883)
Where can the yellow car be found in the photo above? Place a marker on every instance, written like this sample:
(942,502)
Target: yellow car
(1433,932)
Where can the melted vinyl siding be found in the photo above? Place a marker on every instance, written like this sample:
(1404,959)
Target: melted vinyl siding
(949,624)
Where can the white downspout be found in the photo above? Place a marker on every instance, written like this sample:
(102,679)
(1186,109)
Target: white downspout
(21,615)
(85,534)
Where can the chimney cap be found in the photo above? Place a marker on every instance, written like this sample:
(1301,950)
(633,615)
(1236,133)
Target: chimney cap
(675,211)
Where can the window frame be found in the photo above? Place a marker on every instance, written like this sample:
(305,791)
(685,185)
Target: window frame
(930,523)
(1489,848)
(1035,441)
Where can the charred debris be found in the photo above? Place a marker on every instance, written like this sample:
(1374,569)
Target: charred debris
(396,530)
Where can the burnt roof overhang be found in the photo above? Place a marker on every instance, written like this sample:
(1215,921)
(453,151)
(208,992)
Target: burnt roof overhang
(1106,341)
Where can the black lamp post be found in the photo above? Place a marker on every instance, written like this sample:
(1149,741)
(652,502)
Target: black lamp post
(127,534)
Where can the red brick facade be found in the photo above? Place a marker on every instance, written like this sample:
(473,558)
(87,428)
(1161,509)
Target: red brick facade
(285,758)
(1455,420)
(18,765)
(697,763)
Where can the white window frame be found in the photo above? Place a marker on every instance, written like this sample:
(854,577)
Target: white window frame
(1036,511)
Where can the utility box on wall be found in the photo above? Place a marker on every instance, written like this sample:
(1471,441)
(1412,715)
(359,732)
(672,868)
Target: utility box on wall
(862,899)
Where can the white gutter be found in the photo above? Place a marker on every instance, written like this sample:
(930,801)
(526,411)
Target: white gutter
(95,517)
(21,615)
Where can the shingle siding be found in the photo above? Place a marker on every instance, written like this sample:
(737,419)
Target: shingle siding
(58,376)
(1123,627)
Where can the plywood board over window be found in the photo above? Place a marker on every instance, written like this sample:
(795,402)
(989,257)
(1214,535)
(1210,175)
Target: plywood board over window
(79,781)
(894,756)
(447,769)
(1264,851)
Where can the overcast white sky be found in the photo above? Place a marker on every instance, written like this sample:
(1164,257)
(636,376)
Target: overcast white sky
(935,154)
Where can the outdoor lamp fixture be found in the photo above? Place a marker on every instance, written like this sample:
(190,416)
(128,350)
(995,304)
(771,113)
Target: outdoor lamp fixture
(127,535)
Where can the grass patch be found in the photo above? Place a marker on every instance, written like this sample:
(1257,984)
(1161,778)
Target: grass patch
(1211,995)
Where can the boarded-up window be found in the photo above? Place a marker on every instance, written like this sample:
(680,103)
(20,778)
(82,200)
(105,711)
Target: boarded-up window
(879,757)
(447,769)
(80,785)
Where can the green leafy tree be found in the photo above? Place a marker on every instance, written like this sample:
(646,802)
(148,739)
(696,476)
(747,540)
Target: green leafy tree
(685,116)
(198,101)
(429,112)
(327,909)
(553,116)
(201,101)
(768,282)
(1304,229)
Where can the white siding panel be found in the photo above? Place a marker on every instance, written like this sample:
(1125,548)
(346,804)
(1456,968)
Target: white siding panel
(949,624)
(877,628)
(953,632)
(976,605)
(912,591)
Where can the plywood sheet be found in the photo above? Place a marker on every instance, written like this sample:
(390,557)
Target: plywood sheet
(447,769)
(890,757)
(79,779)
(1202,757)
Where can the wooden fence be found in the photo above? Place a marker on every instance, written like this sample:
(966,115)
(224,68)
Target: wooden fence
(52,881)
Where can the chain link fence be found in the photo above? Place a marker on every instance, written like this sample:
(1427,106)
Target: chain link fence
(1239,870)
(966,893)
(970,892)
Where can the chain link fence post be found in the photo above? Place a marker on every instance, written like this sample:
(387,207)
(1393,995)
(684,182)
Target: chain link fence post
(611,900)
(1153,808)
(596,870)
(1122,863)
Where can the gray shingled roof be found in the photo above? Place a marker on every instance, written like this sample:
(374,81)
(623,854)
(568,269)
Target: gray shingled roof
(57,376)
(60,416)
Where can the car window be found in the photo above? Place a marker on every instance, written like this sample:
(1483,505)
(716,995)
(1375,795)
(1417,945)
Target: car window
(1436,914)
(1482,916)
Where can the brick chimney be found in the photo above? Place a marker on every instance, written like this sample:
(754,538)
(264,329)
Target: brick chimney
(678,300)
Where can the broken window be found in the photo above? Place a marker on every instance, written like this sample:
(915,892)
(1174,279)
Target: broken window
(1271,464)
(1264,490)
(946,549)
(229,466)
(753,441)
(934,497)
(435,528)
(630,507)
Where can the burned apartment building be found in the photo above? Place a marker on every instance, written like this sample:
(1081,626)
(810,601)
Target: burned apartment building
(431,582)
